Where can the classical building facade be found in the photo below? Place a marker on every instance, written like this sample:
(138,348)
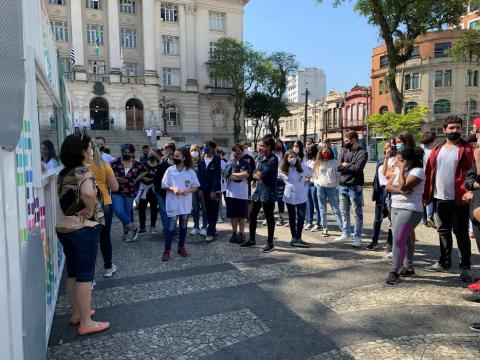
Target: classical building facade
(312,79)
(430,78)
(138,60)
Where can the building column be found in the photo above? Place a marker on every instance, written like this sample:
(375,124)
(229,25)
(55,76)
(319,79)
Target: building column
(149,41)
(182,24)
(114,38)
(77,39)
(191,56)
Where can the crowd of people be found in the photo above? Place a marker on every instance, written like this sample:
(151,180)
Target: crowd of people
(435,182)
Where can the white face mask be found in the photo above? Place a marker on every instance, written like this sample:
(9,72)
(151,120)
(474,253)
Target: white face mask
(194,154)
(292,161)
(296,150)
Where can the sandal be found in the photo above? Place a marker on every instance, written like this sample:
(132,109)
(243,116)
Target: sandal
(88,330)
(75,320)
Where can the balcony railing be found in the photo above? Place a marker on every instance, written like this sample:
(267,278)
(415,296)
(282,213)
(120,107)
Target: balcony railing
(219,90)
(104,78)
(139,80)
(69,76)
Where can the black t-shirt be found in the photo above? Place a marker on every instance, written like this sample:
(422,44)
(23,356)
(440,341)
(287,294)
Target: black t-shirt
(157,181)
(151,173)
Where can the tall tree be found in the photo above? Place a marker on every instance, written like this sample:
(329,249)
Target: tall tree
(467,47)
(242,67)
(257,108)
(281,66)
(400,22)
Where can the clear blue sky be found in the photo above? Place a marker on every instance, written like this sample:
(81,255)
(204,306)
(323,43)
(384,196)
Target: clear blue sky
(337,40)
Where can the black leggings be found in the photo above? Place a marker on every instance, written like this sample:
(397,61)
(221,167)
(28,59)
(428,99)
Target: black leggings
(268,208)
(142,209)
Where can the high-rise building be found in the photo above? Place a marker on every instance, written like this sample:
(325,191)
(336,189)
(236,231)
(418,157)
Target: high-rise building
(138,61)
(312,79)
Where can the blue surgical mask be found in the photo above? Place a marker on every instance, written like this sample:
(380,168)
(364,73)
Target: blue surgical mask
(400,147)
(206,149)
(170,162)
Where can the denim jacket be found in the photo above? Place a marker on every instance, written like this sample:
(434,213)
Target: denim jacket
(266,189)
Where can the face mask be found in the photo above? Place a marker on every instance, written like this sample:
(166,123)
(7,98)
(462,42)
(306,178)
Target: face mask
(166,153)
(400,147)
(177,161)
(102,148)
(206,149)
(296,150)
(126,157)
(245,151)
(278,149)
(152,158)
(325,156)
(292,161)
(170,162)
(453,136)
(348,146)
(194,154)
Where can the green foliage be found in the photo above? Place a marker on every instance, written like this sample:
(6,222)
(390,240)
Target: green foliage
(400,22)
(467,47)
(388,124)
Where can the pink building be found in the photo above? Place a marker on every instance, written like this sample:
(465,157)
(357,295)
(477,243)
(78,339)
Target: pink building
(357,105)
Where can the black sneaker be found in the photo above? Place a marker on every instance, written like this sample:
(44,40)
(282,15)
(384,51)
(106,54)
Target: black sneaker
(134,234)
(393,278)
(248,243)
(300,243)
(373,246)
(388,248)
(407,272)
(475,327)
(240,239)
(142,232)
(438,268)
(234,238)
(268,248)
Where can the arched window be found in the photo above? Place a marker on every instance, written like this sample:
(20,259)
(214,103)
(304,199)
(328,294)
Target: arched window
(410,105)
(383,108)
(172,113)
(441,106)
(218,117)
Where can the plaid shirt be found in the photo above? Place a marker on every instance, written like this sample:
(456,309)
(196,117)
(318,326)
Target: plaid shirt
(128,188)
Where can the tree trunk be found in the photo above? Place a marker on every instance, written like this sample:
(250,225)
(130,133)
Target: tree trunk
(236,119)
(395,94)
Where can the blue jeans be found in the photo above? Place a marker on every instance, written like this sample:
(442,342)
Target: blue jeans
(198,205)
(312,204)
(296,219)
(172,222)
(163,212)
(352,196)
(329,194)
(123,208)
(105,240)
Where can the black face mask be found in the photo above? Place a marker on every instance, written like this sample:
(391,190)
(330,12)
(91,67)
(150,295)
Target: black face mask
(177,161)
(102,148)
(126,157)
(348,146)
(453,136)
(152,158)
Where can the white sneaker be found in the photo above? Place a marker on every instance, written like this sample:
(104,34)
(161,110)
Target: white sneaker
(264,223)
(325,233)
(109,272)
(307,227)
(220,221)
(357,242)
(390,255)
(203,232)
(343,238)
(316,228)
(194,231)
(153,231)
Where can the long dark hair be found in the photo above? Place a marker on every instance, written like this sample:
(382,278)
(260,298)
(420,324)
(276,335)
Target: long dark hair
(72,148)
(50,150)
(269,142)
(415,155)
(301,153)
(407,139)
(285,165)
(188,158)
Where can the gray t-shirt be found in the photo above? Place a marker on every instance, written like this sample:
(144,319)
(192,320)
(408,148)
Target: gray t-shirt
(447,161)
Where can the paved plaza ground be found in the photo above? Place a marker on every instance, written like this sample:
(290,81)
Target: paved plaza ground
(225,302)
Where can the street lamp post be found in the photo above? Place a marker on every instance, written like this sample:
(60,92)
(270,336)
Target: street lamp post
(306,117)
(164,105)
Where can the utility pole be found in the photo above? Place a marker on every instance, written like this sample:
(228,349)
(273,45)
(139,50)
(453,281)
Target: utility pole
(305,118)
(340,106)
(315,122)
